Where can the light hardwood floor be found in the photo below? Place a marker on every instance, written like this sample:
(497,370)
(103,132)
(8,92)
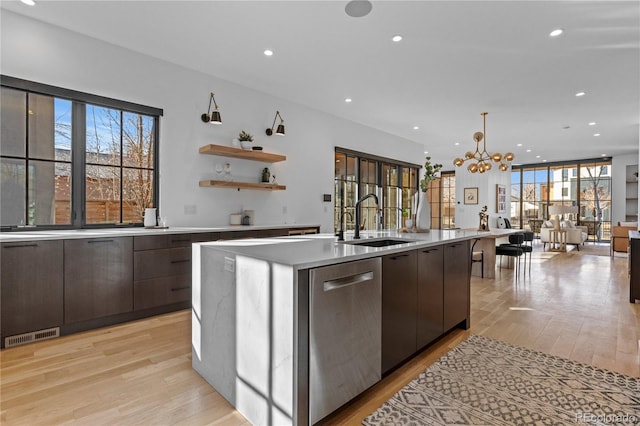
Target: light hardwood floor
(573,305)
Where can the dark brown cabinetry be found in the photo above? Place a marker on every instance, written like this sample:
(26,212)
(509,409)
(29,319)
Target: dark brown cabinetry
(98,277)
(425,293)
(456,284)
(81,284)
(31,293)
(162,268)
(429,325)
(634,267)
(399,289)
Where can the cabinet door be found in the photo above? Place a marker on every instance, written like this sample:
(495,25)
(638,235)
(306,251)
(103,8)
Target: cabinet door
(456,284)
(399,290)
(430,318)
(634,269)
(161,291)
(31,286)
(98,278)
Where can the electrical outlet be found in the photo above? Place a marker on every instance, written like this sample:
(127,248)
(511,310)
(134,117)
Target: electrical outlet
(190,209)
(229,264)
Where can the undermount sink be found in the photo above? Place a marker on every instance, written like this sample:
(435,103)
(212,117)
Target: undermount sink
(378,243)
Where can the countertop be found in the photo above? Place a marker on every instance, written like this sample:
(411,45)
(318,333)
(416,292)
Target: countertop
(310,251)
(9,237)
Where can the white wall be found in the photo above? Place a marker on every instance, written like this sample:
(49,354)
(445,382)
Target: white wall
(467,214)
(36,51)
(618,185)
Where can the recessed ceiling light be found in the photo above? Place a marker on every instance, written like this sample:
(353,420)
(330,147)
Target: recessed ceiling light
(580,94)
(528,150)
(29,2)
(596,134)
(347,100)
(426,152)
(556,32)
(544,161)
(396,38)
(268,52)
(537,156)
(416,128)
(593,123)
(519,144)
(457,143)
(604,155)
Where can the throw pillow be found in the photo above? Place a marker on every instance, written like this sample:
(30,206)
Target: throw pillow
(567,224)
(548,224)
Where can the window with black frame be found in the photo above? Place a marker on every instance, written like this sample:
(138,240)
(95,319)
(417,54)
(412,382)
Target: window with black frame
(585,184)
(71,159)
(358,174)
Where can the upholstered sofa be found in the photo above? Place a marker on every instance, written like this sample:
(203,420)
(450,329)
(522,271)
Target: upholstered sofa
(620,235)
(575,235)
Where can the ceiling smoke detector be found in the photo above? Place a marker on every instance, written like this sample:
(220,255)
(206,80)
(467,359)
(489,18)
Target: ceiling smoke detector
(358,8)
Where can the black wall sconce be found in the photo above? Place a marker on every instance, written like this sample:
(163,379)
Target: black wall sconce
(280,129)
(212,117)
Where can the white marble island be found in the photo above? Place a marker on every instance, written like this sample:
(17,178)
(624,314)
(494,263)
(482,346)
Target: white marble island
(251,303)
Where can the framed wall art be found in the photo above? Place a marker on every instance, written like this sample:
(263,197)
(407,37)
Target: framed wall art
(471,195)
(501,198)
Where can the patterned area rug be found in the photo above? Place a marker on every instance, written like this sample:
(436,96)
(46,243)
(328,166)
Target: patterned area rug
(487,382)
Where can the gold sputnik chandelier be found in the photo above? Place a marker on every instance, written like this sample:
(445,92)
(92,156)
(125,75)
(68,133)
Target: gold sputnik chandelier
(480,161)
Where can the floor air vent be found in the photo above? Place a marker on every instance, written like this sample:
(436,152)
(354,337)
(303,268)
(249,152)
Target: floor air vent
(22,339)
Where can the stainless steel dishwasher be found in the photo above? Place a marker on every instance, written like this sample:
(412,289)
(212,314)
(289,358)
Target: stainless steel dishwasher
(345,314)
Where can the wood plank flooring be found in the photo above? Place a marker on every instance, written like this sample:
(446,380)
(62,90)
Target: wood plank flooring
(573,305)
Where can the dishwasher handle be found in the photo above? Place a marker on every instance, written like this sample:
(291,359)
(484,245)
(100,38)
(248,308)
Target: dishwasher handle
(347,281)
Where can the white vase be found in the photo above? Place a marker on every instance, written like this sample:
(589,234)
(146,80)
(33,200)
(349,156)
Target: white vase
(150,217)
(423,213)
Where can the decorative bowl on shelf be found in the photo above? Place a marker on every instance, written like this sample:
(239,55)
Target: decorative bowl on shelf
(246,144)
(256,148)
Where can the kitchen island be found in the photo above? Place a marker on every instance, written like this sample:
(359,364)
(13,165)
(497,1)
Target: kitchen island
(290,329)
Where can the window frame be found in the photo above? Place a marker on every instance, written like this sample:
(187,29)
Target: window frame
(342,207)
(79,101)
(577,166)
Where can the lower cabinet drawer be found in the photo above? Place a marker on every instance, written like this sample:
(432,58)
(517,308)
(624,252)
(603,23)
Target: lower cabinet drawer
(161,291)
(151,264)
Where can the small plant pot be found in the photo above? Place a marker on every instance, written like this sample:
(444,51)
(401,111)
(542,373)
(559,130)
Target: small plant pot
(246,144)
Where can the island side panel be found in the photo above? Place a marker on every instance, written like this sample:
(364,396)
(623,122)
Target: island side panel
(243,308)
(213,321)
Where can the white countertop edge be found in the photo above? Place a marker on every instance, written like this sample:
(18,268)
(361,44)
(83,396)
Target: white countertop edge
(68,234)
(314,254)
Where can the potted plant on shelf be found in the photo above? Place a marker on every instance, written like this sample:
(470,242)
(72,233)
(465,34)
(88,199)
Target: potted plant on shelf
(423,213)
(245,139)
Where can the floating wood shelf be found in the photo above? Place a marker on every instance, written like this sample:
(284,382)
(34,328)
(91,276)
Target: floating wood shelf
(230,151)
(242,185)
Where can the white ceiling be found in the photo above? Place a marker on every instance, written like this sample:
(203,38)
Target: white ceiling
(457,59)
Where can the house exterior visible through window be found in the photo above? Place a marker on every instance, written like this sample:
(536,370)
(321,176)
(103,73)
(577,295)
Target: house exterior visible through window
(585,184)
(71,159)
(357,174)
(442,198)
